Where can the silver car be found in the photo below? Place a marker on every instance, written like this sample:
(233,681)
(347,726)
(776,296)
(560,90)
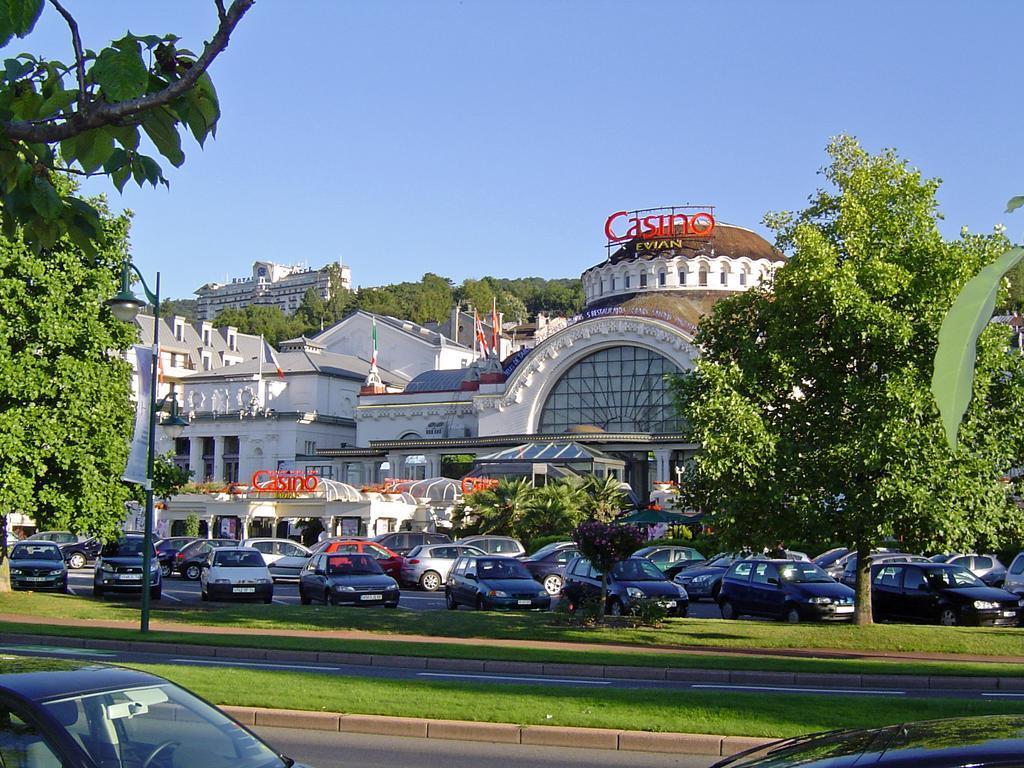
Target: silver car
(428,565)
(284,557)
(985,567)
(505,546)
(1015,575)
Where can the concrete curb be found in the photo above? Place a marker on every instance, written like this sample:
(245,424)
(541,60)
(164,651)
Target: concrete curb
(504,733)
(677,674)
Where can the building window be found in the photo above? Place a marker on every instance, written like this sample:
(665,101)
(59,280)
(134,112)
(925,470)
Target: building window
(682,277)
(179,329)
(723,278)
(743,278)
(206,337)
(207,361)
(600,287)
(613,283)
(232,340)
(208,458)
(325,471)
(626,283)
(643,279)
(181,451)
(310,447)
(620,389)
(231,459)
(661,279)
(702,277)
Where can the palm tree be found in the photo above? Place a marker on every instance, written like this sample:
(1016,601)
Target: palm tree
(604,497)
(500,510)
(555,508)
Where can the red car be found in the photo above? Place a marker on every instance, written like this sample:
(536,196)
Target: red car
(389,562)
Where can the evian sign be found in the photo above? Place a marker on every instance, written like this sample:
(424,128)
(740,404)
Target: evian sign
(657,223)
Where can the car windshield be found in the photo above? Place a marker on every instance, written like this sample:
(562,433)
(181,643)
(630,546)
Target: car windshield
(36,552)
(722,560)
(158,725)
(501,569)
(952,576)
(125,548)
(351,565)
(234,559)
(544,551)
(803,572)
(637,569)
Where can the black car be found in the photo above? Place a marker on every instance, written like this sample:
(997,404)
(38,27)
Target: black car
(78,550)
(704,579)
(401,542)
(84,715)
(630,581)
(547,564)
(849,577)
(783,589)
(486,583)
(190,558)
(980,742)
(119,568)
(346,579)
(38,565)
(939,593)
(167,549)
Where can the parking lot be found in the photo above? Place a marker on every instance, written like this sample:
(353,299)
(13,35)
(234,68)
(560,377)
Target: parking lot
(177,590)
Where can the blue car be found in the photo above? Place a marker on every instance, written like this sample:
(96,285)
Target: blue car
(783,589)
(486,583)
(119,568)
(630,582)
(703,581)
(84,715)
(38,565)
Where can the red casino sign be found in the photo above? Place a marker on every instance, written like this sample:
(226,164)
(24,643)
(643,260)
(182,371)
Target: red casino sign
(656,223)
(283,481)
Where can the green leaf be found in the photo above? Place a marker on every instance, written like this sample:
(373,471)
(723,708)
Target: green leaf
(120,72)
(162,130)
(953,375)
(127,135)
(120,176)
(44,198)
(94,147)
(18,17)
(58,101)
(1015,203)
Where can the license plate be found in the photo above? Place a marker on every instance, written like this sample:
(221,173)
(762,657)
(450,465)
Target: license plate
(371,597)
(524,602)
(244,589)
(1009,613)
(129,577)
(668,603)
(36,578)
(844,609)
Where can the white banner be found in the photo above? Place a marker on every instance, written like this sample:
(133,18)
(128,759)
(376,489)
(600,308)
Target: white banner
(138,457)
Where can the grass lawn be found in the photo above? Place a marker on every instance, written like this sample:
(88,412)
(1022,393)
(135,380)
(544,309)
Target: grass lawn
(691,633)
(686,712)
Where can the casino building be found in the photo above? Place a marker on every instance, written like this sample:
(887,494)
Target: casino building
(592,397)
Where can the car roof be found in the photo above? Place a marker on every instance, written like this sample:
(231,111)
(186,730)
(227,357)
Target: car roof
(238,549)
(38,679)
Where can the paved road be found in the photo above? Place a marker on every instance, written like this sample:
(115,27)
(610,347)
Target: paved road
(326,749)
(178,590)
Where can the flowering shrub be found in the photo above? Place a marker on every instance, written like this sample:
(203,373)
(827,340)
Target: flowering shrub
(604,544)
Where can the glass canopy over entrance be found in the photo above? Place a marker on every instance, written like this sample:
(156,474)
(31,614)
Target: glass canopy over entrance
(619,389)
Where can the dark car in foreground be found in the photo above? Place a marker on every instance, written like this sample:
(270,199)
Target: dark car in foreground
(78,550)
(64,714)
(167,549)
(937,593)
(346,579)
(630,582)
(119,568)
(979,742)
(486,583)
(38,565)
(547,564)
(783,589)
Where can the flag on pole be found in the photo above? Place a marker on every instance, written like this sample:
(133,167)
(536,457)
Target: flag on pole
(160,366)
(270,358)
(478,327)
(373,357)
(494,326)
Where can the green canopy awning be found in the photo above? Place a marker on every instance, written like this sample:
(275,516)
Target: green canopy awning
(653,517)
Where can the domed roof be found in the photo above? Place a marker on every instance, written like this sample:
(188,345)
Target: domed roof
(726,240)
(684,308)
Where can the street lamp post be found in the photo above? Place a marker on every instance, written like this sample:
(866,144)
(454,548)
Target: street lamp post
(125,306)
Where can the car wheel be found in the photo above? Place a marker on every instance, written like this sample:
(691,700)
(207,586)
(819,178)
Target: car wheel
(683,611)
(97,591)
(615,608)
(430,581)
(480,602)
(948,617)
(165,570)
(192,572)
(715,591)
(64,588)
(268,600)
(792,615)
(449,601)
(329,598)
(156,594)
(728,610)
(77,560)
(552,584)
(302,598)
(204,595)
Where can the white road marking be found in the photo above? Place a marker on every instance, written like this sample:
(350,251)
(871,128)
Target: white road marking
(516,678)
(797,689)
(172,597)
(280,602)
(301,667)
(1010,695)
(57,650)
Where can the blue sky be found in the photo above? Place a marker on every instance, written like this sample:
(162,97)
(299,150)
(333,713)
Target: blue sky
(484,137)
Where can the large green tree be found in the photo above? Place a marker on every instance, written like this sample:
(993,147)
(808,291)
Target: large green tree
(811,399)
(65,396)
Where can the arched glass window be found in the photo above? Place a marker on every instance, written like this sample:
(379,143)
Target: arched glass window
(620,389)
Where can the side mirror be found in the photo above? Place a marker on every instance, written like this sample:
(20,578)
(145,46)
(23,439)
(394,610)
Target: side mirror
(471,576)
(773,581)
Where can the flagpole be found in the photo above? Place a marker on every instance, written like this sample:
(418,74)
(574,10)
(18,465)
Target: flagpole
(259,381)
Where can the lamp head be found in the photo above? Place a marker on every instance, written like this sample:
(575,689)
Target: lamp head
(125,305)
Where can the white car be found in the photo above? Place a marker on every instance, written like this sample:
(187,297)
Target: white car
(284,557)
(236,573)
